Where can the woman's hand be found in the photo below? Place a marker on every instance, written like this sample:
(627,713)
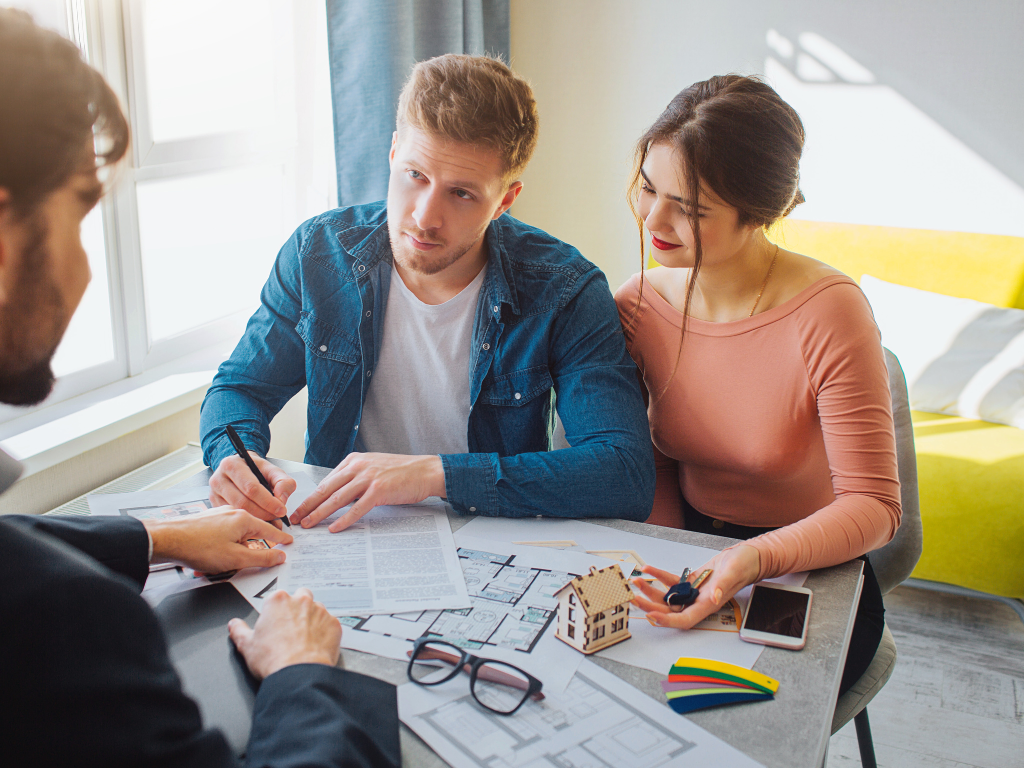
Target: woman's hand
(732,570)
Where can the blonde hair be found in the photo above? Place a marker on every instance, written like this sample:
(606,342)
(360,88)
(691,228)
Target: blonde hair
(473,100)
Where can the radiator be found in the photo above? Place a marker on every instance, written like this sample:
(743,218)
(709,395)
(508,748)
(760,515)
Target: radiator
(165,472)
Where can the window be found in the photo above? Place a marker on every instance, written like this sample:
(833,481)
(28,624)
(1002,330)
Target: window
(572,615)
(572,632)
(598,632)
(572,598)
(598,617)
(617,609)
(618,625)
(232,148)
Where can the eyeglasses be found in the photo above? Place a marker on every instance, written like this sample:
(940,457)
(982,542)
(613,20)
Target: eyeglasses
(497,686)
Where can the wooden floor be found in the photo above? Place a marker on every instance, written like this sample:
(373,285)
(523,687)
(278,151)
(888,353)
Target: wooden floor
(956,697)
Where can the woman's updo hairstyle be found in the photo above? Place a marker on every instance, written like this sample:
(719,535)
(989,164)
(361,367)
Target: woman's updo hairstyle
(737,136)
(737,139)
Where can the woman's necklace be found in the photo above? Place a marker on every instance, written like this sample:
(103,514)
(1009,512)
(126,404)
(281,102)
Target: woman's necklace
(765,283)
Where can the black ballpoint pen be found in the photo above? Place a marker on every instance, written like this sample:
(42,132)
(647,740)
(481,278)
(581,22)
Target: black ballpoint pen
(240,449)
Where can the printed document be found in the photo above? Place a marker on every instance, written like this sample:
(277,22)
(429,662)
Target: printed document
(168,504)
(394,559)
(654,648)
(599,721)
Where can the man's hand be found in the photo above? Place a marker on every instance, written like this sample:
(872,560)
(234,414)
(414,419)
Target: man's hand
(373,479)
(290,630)
(734,568)
(215,542)
(234,485)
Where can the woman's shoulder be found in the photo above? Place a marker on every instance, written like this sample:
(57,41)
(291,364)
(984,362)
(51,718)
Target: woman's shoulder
(795,273)
(664,281)
(629,289)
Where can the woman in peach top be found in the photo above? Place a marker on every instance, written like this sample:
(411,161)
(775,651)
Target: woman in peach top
(767,388)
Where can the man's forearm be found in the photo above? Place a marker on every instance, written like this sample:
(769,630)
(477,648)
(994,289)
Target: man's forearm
(119,543)
(597,480)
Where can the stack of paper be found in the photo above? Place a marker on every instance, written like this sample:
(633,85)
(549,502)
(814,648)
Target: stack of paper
(700,683)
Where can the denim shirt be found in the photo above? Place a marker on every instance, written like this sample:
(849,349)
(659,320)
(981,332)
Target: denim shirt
(546,327)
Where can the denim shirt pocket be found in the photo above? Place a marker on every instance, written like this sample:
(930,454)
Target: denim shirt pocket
(518,388)
(332,357)
(517,407)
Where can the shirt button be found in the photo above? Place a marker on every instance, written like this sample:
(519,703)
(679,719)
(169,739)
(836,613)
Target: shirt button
(495,308)
(367,313)
(369,373)
(718,524)
(362,267)
(486,346)
(519,396)
(323,347)
(472,509)
(357,428)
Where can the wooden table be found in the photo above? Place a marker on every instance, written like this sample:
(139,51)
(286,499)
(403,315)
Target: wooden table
(791,731)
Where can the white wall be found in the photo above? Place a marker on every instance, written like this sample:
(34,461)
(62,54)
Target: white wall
(932,142)
(602,71)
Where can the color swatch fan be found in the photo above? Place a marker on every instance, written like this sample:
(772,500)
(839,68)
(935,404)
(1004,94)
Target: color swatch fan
(700,683)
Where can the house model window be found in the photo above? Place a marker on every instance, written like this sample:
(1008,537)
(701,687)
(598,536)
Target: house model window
(600,596)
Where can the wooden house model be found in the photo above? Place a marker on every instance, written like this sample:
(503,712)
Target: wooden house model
(593,610)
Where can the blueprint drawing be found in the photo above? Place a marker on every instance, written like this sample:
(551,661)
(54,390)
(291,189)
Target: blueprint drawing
(598,721)
(512,606)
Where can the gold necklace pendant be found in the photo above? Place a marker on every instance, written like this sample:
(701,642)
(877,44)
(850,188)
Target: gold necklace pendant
(765,283)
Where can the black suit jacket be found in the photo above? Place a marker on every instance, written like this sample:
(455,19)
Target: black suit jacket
(86,680)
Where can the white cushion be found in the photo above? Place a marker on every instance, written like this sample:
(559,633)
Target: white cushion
(961,357)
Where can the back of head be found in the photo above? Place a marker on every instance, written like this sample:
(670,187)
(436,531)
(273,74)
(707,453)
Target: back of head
(739,140)
(473,100)
(50,103)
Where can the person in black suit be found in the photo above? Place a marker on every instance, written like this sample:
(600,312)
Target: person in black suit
(87,680)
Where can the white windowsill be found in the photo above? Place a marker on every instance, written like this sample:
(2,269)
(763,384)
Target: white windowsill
(45,438)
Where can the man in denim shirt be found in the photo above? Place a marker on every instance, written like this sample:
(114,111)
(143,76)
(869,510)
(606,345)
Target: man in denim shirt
(432,333)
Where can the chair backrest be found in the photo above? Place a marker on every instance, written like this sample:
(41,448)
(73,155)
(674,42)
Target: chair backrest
(894,562)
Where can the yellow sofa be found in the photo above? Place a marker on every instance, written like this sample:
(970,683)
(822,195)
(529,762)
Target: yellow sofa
(970,473)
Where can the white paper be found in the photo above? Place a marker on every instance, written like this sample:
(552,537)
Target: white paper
(653,648)
(169,504)
(172,503)
(152,505)
(393,559)
(512,618)
(599,721)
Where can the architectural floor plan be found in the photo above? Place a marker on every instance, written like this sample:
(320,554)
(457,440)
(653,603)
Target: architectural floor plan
(511,617)
(512,606)
(599,721)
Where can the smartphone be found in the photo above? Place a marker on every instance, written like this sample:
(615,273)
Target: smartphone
(777,615)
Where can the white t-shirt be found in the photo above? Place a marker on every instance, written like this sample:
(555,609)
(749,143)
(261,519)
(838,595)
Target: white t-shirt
(418,401)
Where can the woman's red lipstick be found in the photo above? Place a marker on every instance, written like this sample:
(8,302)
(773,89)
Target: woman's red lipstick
(661,245)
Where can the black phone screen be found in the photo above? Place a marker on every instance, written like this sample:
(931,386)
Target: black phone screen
(777,611)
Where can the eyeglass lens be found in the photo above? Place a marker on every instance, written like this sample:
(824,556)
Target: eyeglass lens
(500,687)
(434,663)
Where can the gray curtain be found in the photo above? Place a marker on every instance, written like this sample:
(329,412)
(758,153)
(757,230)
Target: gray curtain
(373,45)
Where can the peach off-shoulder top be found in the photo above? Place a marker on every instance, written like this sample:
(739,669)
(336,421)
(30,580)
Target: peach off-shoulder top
(781,419)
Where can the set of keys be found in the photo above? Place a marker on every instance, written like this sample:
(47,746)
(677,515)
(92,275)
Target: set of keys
(684,593)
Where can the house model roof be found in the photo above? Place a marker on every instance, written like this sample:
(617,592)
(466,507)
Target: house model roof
(600,590)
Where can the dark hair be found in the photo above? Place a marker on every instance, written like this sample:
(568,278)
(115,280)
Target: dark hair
(739,140)
(52,106)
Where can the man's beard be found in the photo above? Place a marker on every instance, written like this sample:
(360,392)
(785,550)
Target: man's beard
(35,307)
(422,263)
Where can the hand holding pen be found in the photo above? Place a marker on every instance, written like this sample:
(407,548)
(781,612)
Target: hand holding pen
(251,483)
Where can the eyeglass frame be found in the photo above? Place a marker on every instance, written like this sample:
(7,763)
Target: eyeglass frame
(533,690)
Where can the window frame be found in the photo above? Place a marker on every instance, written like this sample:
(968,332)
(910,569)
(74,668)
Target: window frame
(109,34)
